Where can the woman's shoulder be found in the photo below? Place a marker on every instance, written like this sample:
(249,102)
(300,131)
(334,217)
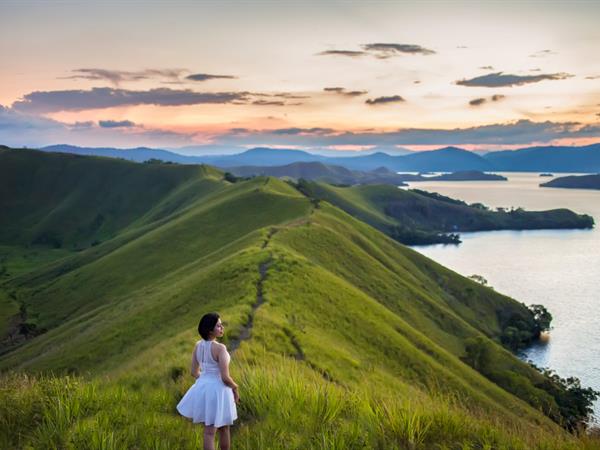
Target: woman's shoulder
(219,346)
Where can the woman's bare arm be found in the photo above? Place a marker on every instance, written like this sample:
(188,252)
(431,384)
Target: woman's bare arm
(195,364)
(223,359)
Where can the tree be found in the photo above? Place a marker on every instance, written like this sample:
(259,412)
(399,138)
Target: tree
(480,206)
(479,354)
(479,279)
(230,177)
(511,337)
(541,316)
(575,402)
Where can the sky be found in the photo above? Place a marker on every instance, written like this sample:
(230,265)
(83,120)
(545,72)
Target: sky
(337,75)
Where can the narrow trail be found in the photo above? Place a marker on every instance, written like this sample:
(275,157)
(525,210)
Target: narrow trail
(272,231)
(263,267)
(299,355)
(246,330)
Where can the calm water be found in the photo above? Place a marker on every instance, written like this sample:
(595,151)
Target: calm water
(559,269)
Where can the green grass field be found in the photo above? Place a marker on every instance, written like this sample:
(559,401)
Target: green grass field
(359,342)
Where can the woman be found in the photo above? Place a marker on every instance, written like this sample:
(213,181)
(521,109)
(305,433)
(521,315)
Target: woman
(211,399)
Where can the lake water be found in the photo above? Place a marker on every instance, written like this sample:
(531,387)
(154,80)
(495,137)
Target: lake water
(557,268)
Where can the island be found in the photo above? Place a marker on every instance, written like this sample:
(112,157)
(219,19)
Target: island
(317,171)
(546,174)
(338,175)
(575,182)
(468,175)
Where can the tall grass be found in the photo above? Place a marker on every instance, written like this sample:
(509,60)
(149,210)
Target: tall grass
(285,406)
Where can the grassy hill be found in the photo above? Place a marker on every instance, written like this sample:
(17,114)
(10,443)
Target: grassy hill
(343,337)
(419,217)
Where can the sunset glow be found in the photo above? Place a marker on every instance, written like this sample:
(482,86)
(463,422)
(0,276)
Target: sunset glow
(300,74)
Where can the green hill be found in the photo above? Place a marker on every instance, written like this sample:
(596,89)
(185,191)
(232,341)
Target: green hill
(418,217)
(355,342)
(71,201)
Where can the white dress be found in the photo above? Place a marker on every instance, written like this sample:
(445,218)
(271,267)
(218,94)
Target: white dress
(209,400)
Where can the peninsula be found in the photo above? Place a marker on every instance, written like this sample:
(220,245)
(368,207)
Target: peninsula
(575,182)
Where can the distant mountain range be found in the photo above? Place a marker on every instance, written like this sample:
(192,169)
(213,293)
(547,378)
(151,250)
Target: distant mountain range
(548,159)
(450,159)
(138,154)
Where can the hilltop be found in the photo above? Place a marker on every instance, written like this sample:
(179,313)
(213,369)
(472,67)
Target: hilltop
(354,341)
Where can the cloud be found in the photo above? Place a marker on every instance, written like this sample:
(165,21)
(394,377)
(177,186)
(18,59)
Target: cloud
(82,125)
(384,51)
(15,122)
(116,77)
(477,101)
(542,53)
(380,51)
(348,53)
(499,79)
(285,95)
(522,132)
(592,77)
(116,123)
(343,91)
(41,102)
(481,101)
(384,100)
(268,103)
(18,129)
(206,76)
(303,131)
(355,93)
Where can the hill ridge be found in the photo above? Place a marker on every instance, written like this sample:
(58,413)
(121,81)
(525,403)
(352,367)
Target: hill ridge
(343,318)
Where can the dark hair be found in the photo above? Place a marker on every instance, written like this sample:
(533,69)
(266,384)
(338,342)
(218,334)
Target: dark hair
(207,324)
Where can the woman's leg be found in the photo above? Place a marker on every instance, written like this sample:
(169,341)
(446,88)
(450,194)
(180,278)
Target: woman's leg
(209,437)
(224,439)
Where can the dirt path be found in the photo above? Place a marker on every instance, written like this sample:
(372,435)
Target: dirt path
(246,330)
(263,268)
